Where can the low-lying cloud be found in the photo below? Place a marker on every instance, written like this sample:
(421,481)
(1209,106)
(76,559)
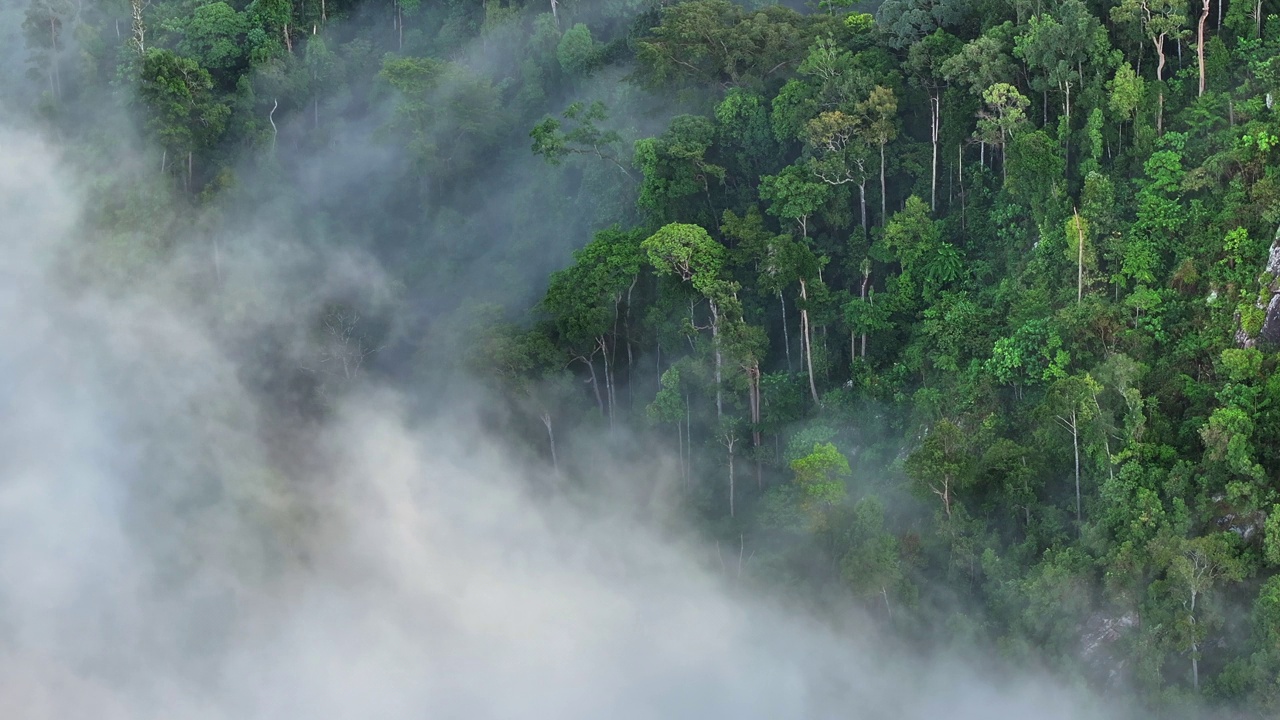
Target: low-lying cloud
(166,551)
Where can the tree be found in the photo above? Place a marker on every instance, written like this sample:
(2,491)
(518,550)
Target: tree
(691,255)
(1073,403)
(926,59)
(577,52)
(1196,566)
(554,143)
(942,465)
(439,106)
(840,153)
(717,43)
(905,22)
(668,407)
(821,477)
(1159,20)
(44,26)
(1004,116)
(877,114)
(184,112)
(215,36)
(1126,95)
(677,175)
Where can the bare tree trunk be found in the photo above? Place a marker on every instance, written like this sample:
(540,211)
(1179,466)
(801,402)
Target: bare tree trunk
(1195,644)
(139,28)
(1079,259)
(551,438)
(271,118)
(935,108)
(786,336)
(680,451)
(884,215)
(715,343)
(1075,445)
(730,440)
(608,378)
(1204,17)
(55,80)
(806,342)
(595,385)
(862,201)
(217,261)
(866,279)
(753,389)
(1159,43)
(688,434)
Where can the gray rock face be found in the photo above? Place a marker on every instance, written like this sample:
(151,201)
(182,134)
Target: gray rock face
(1270,280)
(1271,326)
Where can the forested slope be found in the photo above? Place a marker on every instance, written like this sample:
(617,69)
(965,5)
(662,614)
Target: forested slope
(962,309)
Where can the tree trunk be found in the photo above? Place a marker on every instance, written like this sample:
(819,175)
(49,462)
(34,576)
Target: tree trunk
(680,451)
(866,279)
(786,336)
(608,378)
(271,118)
(595,385)
(551,438)
(1159,43)
(884,215)
(935,108)
(1195,644)
(217,261)
(54,78)
(1066,141)
(862,201)
(1075,445)
(688,434)
(729,441)
(1079,259)
(806,341)
(1204,17)
(139,28)
(753,379)
(715,343)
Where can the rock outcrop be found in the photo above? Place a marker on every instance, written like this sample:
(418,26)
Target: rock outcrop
(1268,303)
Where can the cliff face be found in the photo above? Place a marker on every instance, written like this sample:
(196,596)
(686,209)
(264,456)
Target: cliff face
(1271,326)
(1268,303)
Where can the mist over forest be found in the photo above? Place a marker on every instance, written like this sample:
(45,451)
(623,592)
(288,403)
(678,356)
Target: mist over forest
(639,359)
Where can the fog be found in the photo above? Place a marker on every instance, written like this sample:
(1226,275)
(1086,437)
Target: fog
(168,550)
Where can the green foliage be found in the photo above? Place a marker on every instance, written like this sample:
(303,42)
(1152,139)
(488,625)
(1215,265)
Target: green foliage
(821,476)
(577,52)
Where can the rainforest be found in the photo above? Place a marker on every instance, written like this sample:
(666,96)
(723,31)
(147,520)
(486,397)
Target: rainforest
(640,358)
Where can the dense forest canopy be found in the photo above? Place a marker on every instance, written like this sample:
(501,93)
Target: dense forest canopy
(966,311)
